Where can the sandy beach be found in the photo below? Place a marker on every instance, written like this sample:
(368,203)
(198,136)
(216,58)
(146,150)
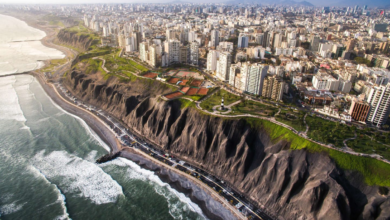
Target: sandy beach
(205,197)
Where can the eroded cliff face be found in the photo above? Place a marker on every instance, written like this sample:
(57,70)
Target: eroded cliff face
(82,41)
(291,184)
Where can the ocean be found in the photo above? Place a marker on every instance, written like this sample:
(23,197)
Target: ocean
(47,156)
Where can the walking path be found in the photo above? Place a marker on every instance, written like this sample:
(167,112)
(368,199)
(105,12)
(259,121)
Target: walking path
(302,134)
(349,139)
(103,64)
(307,126)
(228,107)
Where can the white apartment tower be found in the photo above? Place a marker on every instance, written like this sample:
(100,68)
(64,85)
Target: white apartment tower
(223,66)
(379,100)
(172,48)
(212,58)
(194,53)
(143,51)
(248,77)
(256,75)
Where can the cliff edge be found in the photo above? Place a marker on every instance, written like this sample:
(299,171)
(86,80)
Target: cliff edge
(292,184)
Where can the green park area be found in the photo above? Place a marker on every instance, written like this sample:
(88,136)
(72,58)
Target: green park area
(292,118)
(254,108)
(216,99)
(367,140)
(328,132)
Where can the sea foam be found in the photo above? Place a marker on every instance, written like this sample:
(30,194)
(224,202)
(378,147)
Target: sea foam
(61,197)
(161,188)
(79,176)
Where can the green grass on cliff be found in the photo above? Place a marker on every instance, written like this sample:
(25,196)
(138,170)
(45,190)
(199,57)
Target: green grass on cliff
(375,172)
(186,103)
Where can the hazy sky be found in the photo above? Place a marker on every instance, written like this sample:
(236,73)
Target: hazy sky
(314,2)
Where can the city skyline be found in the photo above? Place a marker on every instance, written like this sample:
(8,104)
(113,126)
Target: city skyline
(315,3)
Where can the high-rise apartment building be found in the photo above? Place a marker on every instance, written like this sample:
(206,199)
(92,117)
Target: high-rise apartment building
(223,66)
(214,41)
(243,41)
(256,74)
(212,58)
(172,48)
(379,99)
(314,43)
(238,75)
(273,87)
(184,54)
(194,53)
(143,51)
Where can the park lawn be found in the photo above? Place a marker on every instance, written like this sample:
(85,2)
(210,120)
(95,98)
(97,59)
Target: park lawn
(254,108)
(328,132)
(375,172)
(293,119)
(95,66)
(216,99)
(115,63)
(364,144)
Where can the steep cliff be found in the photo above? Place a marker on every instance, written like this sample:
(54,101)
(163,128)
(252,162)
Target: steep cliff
(75,39)
(292,184)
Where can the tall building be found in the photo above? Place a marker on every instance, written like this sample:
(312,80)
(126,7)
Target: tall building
(214,41)
(243,41)
(255,78)
(194,53)
(223,66)
(379,99)
(212,58)
(273,87)
(314,43)
(192,36)
(260,38)
(172,48)
(184,54)
(277,40)
(143,51)
(170,34)
(153,61)
(359,110)
(238,75)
